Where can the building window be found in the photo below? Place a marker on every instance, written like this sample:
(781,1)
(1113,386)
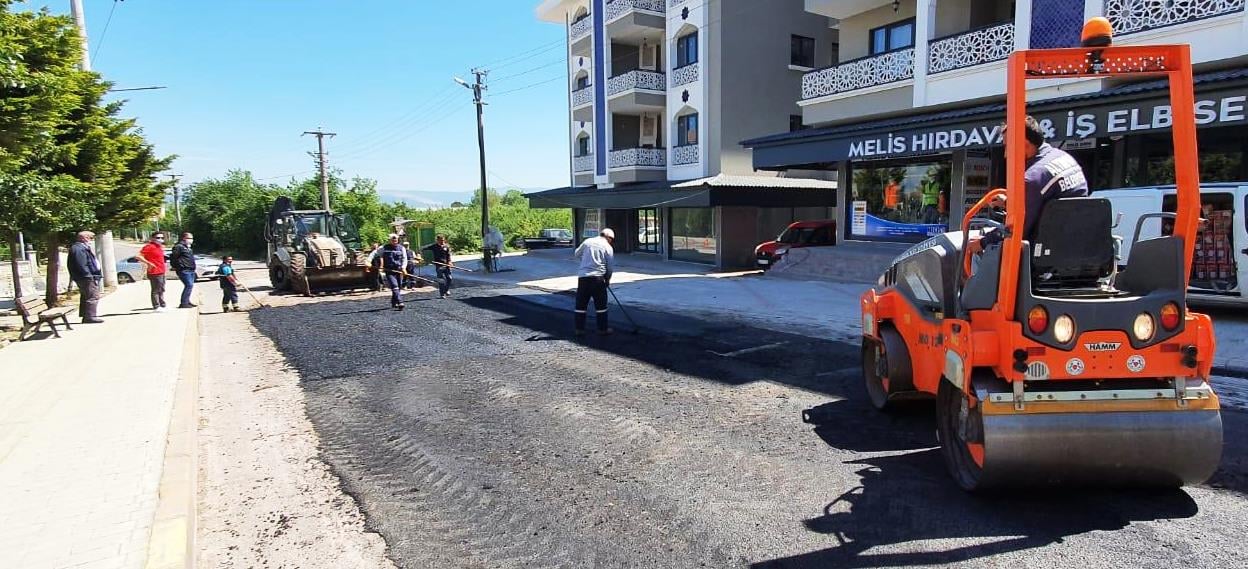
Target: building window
(648,230)
(896,35)
(801,51)
(687,50)
(906,202)
(582,82)
(795,123)
(687,130)
(693,234)
(582,146)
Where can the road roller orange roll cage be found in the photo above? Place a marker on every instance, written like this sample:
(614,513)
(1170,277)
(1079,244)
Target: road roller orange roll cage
(1034,383)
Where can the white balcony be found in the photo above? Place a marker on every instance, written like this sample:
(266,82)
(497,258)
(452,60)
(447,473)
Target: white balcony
(637,157)
(685,75)
(619,8)
(583,164)
(637,91)
(686,154)
(583,96)
(1132,16)
(968,49)
(872,71)
(580,28)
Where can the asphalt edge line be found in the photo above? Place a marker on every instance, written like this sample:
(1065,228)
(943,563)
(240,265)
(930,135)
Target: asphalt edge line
(174,525)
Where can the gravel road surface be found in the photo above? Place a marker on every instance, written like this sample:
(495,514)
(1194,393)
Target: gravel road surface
(476,432)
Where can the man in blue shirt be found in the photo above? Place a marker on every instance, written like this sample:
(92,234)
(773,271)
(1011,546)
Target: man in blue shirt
(1050,174)
(84,268)
(183,260)
(393,264)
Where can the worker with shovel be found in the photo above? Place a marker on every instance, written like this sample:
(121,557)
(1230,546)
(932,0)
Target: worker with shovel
(393,262)
(597,263)
(442,264)
(229,284)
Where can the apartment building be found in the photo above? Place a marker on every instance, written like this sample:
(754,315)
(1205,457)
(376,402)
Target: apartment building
(909,115)
(662,92)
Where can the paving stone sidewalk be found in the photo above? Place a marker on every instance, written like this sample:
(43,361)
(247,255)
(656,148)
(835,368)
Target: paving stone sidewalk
(83,426)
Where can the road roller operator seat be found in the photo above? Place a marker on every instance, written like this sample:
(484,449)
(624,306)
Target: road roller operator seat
(1073,245)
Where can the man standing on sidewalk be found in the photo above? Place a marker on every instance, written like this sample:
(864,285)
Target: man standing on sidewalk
(442,264)
(153,255)
(85,270)
(597,263)
(183,259)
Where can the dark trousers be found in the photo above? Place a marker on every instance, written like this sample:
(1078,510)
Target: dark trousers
(89,297)
(444,280)
(188,282)
(229,294)
(410,281)
(595,288)
(394,280)
(158,290)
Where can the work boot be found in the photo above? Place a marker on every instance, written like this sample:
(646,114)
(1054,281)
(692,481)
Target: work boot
(225,308)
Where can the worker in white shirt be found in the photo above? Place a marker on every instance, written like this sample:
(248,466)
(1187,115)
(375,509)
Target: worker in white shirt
(597,263)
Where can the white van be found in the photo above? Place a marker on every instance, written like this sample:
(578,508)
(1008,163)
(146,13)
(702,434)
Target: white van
(1220,266)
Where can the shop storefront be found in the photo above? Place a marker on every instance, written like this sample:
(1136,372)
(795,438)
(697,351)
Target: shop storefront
(905,178)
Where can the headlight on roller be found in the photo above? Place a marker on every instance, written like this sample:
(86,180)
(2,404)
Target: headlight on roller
(1064,329)
(1143,327)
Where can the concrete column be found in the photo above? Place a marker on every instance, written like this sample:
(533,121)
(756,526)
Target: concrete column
(924,30)
(842,201)
(107,256)
(957,190)
(1022,24)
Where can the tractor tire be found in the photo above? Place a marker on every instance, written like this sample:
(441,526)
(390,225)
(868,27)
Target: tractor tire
(279,276)
(960,428)
(298,274)
(886,368)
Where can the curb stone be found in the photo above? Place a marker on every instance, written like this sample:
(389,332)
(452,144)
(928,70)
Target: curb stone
(172,541)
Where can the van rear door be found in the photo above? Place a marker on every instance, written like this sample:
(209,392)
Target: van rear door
(1215,270)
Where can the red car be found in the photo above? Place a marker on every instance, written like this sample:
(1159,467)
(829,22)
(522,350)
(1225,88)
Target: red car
(799,234)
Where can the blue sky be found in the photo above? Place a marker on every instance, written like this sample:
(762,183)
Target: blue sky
(246,77)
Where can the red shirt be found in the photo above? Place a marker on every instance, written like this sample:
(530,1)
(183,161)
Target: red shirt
(155,254)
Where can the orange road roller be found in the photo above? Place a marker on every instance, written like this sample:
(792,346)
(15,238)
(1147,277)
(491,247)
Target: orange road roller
(1048,364)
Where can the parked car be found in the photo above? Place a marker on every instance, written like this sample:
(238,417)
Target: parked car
(799,234)
(205,267)
(130,270)
(1220,266)
(547,239)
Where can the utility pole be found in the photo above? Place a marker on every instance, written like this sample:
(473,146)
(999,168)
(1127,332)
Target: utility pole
(177,200)
(322,160)
(104,239)
(477,87)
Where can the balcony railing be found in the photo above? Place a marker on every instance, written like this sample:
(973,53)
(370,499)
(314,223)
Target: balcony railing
(968,49)
(685,75)
(675,3)
(632,157)
(617,8)
(637,79)
(686,154)
(871,71)
(584,163)
(1130,16)
(583,96)
(580,28)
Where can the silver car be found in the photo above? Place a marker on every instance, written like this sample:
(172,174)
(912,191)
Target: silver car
(131,270)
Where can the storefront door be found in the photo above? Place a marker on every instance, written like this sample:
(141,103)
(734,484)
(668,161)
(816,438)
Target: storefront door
(647,230)
(619,221)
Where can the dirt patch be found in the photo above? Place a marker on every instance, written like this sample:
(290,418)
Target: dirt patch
(265,497)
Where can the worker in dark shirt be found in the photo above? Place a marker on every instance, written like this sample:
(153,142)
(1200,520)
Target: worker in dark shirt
(183,260)
(393,258)
(442,264)
(84,268)
(1050,174)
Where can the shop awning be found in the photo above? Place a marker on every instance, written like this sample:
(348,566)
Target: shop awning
(756,191)
(1136,108)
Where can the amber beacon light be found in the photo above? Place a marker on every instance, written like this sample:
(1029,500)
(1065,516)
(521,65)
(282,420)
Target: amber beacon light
(1097,32)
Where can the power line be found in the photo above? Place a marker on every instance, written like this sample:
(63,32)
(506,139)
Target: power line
(401,135)
(292,174)
(561,60)
(99,46)
(529,86)
(524,55)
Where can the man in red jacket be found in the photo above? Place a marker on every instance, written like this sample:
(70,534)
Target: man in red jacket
(153,255)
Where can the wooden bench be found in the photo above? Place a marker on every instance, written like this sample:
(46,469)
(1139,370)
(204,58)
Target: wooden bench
(35,313)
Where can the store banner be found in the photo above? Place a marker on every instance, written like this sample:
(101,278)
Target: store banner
(1219,108)
(864,224)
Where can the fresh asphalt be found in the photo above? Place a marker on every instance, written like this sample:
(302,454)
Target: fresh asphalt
(478,432)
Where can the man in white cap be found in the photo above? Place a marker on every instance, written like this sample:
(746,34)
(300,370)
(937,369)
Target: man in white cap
(597,263)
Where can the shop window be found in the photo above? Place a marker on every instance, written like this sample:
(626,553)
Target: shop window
(693,234)
(687,130)
(1150,158)
(648,230)
(906,202)
(687,50)
(896,35)
(801,51)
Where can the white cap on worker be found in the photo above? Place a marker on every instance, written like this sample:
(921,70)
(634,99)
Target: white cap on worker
(608,233)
